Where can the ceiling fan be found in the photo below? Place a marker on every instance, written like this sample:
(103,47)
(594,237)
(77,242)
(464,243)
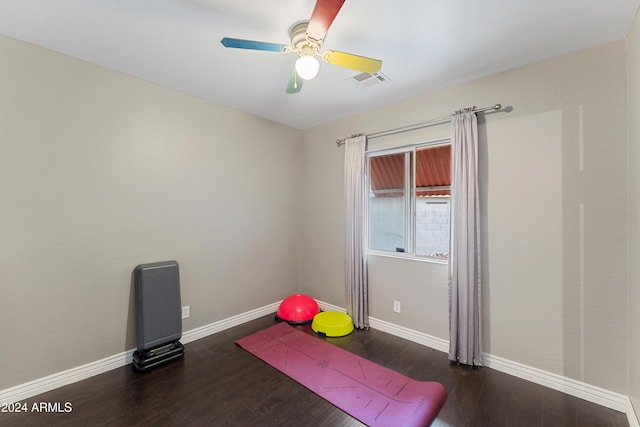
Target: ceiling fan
(306,40)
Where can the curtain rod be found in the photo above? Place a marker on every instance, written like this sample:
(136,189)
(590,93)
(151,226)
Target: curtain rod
(432,122)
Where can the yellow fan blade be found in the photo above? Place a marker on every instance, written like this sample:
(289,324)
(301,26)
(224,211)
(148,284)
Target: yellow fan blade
(355,62)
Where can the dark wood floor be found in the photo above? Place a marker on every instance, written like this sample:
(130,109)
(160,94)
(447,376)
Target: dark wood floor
(219,384)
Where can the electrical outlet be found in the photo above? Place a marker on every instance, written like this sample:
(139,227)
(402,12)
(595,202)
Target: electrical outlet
(185,312)
(396,306)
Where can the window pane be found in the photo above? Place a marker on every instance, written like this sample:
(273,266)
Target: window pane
(432,226)
(433,169)
(433,190)
(387,202)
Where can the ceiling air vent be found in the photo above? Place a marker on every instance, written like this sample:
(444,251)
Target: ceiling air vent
(367,80)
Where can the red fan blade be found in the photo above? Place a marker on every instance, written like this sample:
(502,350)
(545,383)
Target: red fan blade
(322,17)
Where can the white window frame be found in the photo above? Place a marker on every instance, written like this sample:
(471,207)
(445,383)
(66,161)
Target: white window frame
(410,200)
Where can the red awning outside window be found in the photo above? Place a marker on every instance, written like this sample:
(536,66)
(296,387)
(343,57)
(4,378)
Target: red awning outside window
(433,169)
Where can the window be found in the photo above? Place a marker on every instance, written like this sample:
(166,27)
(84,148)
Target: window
(409,200)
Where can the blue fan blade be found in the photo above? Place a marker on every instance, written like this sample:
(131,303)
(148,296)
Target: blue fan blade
(250,44)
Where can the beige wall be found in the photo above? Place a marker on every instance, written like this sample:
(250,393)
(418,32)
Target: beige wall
(100,172)
(554,191)
(634,214)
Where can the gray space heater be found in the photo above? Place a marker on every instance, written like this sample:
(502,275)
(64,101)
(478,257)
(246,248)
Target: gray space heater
(158,314)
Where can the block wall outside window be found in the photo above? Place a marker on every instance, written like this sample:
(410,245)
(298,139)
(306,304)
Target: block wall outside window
(432,226)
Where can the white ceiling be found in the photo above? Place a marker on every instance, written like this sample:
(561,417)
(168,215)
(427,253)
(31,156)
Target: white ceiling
(425,45)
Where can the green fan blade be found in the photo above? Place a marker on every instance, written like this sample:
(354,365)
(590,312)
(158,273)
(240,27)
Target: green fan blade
(295,83)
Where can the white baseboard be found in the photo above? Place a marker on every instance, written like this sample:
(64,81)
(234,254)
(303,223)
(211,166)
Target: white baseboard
(409,334)
(325,306)
(632,418)
(399,331)
(70,376)
(575,388)
(230,322)
(566,385)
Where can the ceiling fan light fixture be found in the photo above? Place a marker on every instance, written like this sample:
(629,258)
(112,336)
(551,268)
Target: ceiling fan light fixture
(307,39)
(307,67)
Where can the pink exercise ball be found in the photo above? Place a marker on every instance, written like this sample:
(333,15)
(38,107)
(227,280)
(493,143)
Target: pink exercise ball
(297,309)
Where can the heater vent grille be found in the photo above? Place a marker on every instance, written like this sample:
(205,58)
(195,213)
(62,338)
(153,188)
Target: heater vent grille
(368,80)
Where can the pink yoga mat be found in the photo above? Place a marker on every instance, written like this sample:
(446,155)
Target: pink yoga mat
(371,393)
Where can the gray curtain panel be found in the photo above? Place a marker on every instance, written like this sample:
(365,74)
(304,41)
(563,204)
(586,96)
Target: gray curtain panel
(465,340)
(355,195)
